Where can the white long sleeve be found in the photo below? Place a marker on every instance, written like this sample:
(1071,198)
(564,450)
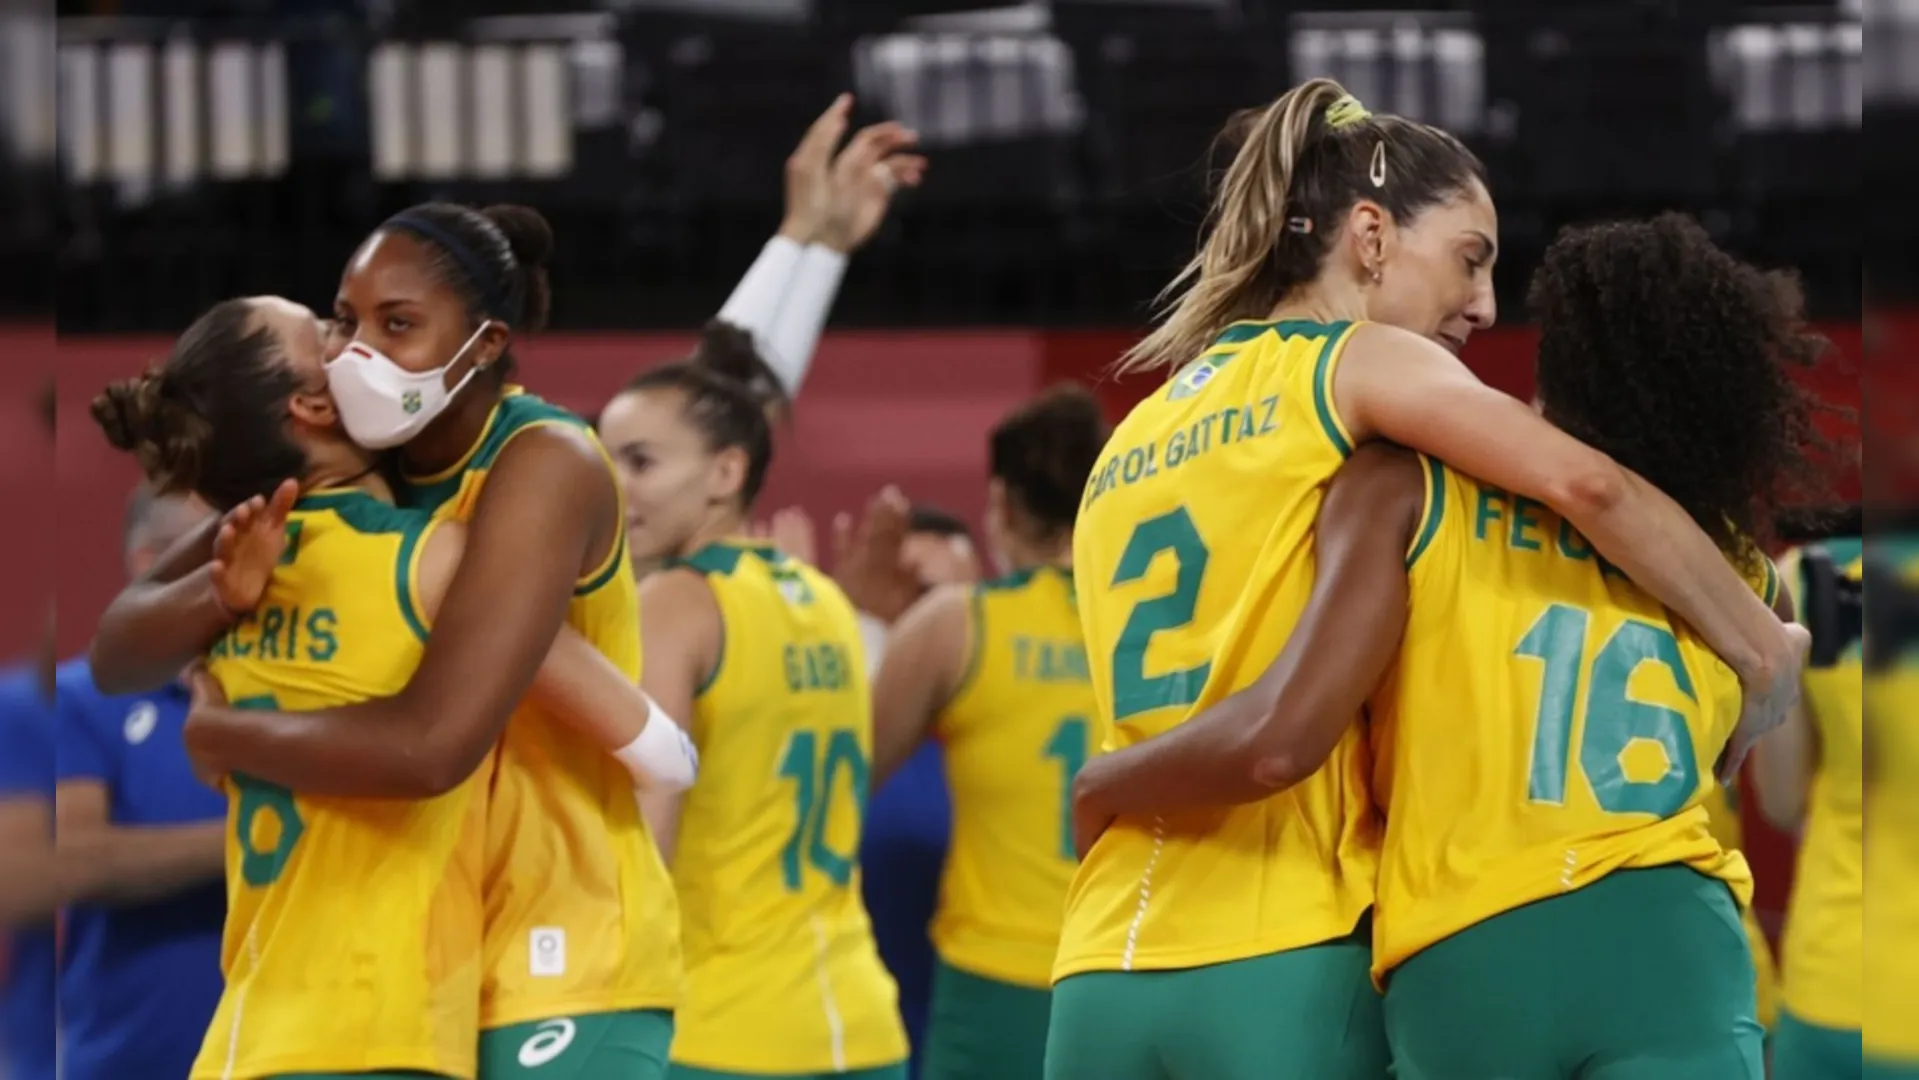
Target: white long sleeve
(795,335)
(756,301)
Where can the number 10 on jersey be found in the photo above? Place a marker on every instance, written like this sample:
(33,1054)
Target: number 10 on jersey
(816,778)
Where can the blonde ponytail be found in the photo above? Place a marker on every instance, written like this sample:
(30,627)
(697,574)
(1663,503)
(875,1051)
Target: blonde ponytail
(1222,283)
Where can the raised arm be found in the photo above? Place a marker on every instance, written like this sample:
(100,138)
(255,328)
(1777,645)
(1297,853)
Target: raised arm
(1279,730)
(170,616)
(926,657)
(684,639)
(548,506)
(1395,385)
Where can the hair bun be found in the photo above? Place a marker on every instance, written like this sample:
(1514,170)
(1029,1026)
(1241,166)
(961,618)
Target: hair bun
(730,351)
(527,233)
(123,412)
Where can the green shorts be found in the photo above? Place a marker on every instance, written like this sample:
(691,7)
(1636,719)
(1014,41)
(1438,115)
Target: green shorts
(1303,1014)
(1642,975)
(628,1045)
(883,1072)
(980,1027)
(1802,1051)
(1889,1070)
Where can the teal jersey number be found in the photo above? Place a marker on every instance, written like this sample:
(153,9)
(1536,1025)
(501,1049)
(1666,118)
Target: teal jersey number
(815,780)
(1134,691)
(1613,718)
(1068,747)
(262,868)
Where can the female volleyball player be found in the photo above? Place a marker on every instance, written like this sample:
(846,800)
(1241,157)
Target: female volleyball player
(1551,900)
(1810,773)
(997,673)
(324,893)
(761,653)
(580,966)
(1348,258)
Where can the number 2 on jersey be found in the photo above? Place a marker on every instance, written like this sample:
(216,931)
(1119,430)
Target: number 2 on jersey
(262,866)
(814,782)
(1134,691)
(1613,718)
(1068,747)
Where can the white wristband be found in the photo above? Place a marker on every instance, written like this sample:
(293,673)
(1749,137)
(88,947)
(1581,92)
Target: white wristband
(662,758)
(873,635)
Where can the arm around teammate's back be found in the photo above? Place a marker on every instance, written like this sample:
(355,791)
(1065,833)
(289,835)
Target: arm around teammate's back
(546,505)
(1395,385)
(1279,730)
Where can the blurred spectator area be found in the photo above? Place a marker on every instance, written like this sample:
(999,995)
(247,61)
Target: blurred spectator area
(246,150)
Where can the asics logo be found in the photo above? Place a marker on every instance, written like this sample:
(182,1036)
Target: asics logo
(549,1041)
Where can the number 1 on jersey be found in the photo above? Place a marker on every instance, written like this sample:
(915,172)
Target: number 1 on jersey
(1614,719)
(1068,747)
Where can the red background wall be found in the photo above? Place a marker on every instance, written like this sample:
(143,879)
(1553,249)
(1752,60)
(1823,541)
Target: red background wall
(905,408)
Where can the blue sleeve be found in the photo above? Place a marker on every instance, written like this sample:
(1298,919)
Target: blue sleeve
(81,751)
(26,740)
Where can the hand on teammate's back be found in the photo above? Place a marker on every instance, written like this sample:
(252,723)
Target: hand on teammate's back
(252,537)
(1766,707)
(867,562)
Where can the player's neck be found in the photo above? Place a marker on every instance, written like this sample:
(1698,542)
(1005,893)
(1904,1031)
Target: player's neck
(1023,555)
(358,473)
(1322,301)
(720,525)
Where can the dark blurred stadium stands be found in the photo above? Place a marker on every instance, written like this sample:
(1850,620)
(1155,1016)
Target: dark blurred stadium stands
(250,151)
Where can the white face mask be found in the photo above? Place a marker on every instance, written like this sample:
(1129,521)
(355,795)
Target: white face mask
(384,405)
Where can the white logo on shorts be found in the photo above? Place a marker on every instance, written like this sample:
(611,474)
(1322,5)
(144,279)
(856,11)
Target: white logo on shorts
(549,1041)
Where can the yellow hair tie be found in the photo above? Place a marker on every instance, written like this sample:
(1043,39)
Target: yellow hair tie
(1346,112)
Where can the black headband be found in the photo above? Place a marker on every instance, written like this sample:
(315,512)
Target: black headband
(495,295)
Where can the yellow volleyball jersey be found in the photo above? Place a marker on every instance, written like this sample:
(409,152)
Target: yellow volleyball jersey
(1015,733)
(1892,836)
(580,912)
(1722,820)
(1547,723)
(1824,945)
(1194,557)
(353,925)
(782,972)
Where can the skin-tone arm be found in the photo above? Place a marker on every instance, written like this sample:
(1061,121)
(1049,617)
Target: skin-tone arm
(29,874)
(160,622)
(1783,763)
(548,503)
(171,615)
(105,862)
(1279,730)
(1395,385)
(926,656)
(683,633)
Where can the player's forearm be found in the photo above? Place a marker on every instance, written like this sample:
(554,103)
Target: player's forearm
(1207,761)
(119,864)
(580,686)
(1650,538)
(380,749)
(152,631)
(1782,767)
(29,884)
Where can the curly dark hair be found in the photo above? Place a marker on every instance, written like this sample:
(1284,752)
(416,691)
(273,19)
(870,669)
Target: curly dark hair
(1675,358)
(1044,451)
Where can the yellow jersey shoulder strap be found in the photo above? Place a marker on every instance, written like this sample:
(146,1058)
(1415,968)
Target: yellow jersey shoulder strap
(367,516)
